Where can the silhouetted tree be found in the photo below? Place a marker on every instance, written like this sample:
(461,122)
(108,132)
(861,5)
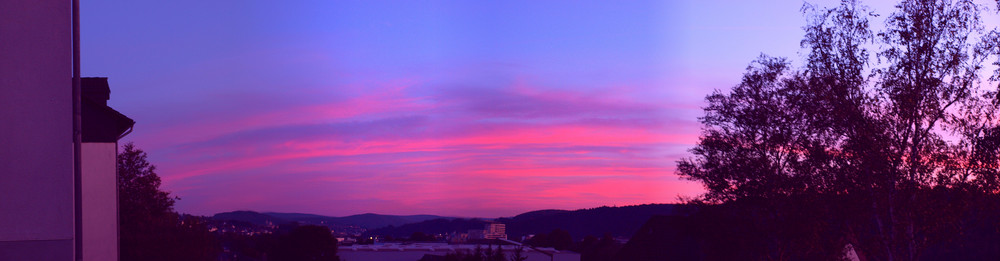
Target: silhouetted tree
(308,242)
(594,249)
(518,254)
(421,236)
(558,239)
(149,227)
(894,140)
(540,240)
(138,185)
(561,239)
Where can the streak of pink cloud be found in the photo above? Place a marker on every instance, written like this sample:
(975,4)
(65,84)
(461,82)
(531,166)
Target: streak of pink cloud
(401,147)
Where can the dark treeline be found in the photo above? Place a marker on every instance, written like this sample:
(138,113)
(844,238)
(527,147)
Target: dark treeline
(434,226)
(150,229)
(885,142)
(289,242)
(620,221)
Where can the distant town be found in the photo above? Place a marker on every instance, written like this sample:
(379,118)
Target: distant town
(598,233)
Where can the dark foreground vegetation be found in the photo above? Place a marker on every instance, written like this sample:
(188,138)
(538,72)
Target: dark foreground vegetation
(152,230)
(884,141)
(149,227)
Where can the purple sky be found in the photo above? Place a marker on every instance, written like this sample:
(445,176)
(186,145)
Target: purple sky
(406,107)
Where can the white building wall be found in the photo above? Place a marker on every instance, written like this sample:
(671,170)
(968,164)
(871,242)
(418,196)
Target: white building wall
(100,201)
(36,161)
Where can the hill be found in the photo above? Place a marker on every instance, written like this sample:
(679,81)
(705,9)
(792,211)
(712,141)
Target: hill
(431,227)
(249,217)
(540,213)
(617,221)
(373,221)
(369,220)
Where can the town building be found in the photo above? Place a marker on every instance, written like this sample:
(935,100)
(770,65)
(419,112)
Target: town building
(489,231)
(495,231)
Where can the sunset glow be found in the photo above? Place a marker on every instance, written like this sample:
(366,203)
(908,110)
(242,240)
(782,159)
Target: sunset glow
(446,108)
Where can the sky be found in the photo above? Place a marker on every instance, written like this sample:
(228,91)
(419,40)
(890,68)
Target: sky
(459,108)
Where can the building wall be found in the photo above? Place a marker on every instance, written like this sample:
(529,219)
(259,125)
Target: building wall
(36,161)
(100,201)
(495,231)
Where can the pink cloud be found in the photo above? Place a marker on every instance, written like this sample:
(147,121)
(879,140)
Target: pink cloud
(385,100)
(460,149)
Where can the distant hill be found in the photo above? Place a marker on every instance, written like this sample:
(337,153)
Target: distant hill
(311,219)
(249,217)
(434,226)
(373,221)
(369,220)
(294,216)
(540,213)
(617,221)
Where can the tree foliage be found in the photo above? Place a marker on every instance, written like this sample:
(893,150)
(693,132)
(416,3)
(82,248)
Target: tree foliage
(308,242)
(897,127)
(149,229)
(139,191)
(559,239)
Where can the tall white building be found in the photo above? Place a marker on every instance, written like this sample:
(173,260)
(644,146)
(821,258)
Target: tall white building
(495,231)
(36,131)
(38,196)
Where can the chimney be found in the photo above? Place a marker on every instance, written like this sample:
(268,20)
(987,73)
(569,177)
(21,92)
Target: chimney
(95,89)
